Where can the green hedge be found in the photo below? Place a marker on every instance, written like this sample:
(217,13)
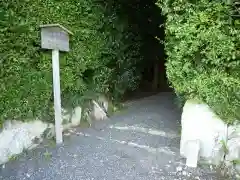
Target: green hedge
(202,45)
(103,54)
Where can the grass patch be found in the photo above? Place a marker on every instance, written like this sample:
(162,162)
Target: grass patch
(47,155)
(13,157)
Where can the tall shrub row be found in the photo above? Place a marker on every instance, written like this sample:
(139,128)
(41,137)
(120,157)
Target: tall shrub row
(203,49)
(102,59)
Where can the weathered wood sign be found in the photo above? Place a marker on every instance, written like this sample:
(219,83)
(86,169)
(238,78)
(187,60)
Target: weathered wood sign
(56,38)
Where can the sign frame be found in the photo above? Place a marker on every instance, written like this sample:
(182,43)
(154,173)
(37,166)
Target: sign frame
(55,36)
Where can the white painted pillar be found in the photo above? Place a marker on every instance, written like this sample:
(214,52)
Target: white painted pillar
(57,96)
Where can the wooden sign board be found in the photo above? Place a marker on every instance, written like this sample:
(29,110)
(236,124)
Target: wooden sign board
(55,37)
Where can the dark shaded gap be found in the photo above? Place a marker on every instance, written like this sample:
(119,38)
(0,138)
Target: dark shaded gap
(146,20)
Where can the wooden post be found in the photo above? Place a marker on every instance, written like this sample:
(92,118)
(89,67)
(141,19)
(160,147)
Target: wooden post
(56,38)
(57,96)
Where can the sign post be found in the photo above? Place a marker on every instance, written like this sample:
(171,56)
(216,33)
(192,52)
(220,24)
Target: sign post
(56,38)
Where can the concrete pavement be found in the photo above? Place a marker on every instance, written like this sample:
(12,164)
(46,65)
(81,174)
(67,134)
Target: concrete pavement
(139,143)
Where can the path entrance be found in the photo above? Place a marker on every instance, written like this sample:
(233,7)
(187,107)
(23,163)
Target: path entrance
(140,143)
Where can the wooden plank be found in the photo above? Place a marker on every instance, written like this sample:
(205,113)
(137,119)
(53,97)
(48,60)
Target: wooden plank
(54,38)
(57,96)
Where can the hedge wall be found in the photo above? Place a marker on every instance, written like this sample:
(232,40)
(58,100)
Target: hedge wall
(102,59)
(203,48)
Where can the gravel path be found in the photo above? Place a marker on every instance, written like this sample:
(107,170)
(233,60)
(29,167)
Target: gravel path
(140,143)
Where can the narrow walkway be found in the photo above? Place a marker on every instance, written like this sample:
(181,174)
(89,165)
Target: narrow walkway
(140,143)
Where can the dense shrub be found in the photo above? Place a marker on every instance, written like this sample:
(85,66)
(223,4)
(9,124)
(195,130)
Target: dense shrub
(102,59)
(202,45)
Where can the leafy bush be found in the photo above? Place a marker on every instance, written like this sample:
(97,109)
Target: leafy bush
(202,44)
(103,54)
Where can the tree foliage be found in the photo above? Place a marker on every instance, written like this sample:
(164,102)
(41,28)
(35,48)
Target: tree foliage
(104,52)
(203,49)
